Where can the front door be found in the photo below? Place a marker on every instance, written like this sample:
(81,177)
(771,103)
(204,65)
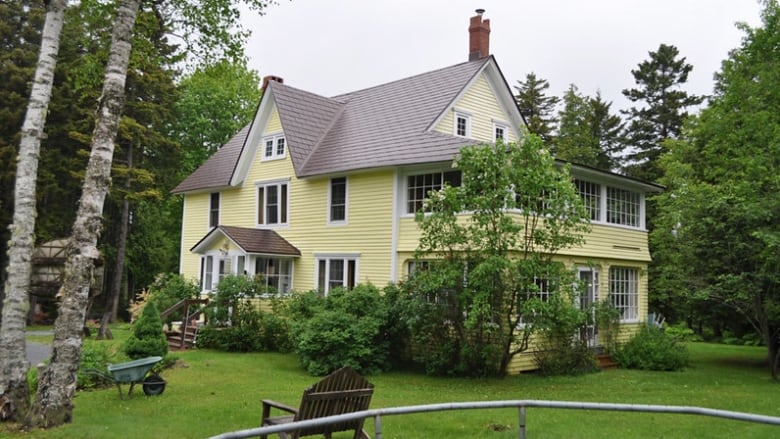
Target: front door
(589,284)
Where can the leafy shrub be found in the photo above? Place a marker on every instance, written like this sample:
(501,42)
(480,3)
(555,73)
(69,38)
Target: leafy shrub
(682,332)
(251,330)
(343,328)
(93,356)
(148,338)
(559,325)
(652,349)
(166,290)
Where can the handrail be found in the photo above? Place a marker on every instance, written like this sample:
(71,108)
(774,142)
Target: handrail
(519,404)
(186,315)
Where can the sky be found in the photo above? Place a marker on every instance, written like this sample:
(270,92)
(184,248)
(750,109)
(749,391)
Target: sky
(331,47)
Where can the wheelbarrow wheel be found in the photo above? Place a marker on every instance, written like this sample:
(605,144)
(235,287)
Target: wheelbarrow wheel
(154,385)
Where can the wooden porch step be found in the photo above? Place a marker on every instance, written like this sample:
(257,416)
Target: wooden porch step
(604,361)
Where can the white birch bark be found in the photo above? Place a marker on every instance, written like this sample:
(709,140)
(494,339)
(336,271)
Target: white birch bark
(13,361)
(57,382)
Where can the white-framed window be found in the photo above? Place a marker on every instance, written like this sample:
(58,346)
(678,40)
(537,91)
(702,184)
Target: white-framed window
(337,201)
(623,207)
(500,131)
(335,271)
(214,201)
(591,197)
(462,126)
(624,292)
(213,269)
(273,147)
(272,202)
(277,273)
(418,186)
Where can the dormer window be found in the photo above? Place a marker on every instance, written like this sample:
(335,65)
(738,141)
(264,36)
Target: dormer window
(462,124)
(274,147)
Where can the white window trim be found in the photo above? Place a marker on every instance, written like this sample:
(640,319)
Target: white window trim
(274,154)
(252,263)
(345,221)
(465,115)
(603,185)
(637,295)
(504,126)
(327,257)
(264,184)
(216,257)
(219,211)
(404,181)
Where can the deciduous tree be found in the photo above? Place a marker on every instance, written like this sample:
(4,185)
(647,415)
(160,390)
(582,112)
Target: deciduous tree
(13,362)
(719,221)
(486,268)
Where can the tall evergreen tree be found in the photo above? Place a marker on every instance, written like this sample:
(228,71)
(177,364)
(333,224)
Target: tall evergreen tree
(661,112)
(537,108)
(718,229)
(587,134)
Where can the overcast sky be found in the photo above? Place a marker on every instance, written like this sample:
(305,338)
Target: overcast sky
(335,46)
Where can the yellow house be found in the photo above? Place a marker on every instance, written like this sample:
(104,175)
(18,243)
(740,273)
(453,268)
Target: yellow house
(319,192)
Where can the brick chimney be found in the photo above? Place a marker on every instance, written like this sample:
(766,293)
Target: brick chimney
(269,78)
(479,36)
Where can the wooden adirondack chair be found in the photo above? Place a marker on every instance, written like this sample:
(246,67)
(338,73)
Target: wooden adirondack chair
(343,391)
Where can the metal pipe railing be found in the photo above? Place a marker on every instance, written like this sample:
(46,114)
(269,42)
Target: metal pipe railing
(521,405)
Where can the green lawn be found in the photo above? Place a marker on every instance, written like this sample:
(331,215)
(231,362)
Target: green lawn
(211,393)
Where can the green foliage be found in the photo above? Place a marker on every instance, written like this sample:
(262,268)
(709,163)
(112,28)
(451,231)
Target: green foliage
(662,112)
(148,338)
(561,330)
(483,267)
(342,328)
(94,356)
(652,349)
(537,108)
(250,330)
(168,289)
(608,323)
(588,134)
(236,323)
(681,332)
(718,228)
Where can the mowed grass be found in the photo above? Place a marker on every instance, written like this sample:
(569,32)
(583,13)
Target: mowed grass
(210,393)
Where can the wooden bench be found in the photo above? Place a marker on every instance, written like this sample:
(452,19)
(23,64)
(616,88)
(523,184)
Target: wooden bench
(343,391)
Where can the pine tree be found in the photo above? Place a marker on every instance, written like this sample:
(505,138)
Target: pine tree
(587,134)
(662,110)
(148,338)
(537,108)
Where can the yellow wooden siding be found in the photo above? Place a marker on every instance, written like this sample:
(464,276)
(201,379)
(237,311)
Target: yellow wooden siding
(480,102)
(195,224)
(367,232)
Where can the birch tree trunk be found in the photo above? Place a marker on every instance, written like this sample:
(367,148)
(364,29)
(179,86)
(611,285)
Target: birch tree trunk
(57,381)
(13,360)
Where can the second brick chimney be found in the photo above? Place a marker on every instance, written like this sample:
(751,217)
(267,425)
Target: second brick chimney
(479,36)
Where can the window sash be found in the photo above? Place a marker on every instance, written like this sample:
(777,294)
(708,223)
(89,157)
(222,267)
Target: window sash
(276,273)
(591,197)
(624,292)
(272,204)
(214,209)
(338,199)
(420,185)
(623,207)
(274,147)
(336,272)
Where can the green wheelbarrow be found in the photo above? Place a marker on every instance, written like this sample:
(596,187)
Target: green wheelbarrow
(134,372)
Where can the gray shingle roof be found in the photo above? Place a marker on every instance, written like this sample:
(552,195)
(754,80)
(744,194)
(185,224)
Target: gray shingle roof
(386,125)
(217,170)
(254,240)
